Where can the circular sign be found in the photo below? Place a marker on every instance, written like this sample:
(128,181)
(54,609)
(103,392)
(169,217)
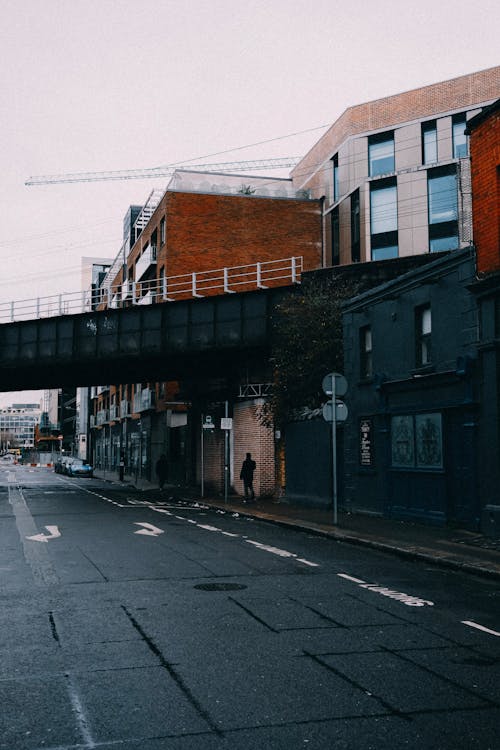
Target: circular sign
(340,384)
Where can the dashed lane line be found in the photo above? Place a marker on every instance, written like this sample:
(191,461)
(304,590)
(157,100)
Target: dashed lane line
(477,626)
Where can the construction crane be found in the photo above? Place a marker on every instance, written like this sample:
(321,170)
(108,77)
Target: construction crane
(164,171)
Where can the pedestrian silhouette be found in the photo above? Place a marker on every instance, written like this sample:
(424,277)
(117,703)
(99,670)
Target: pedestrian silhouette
(246,473)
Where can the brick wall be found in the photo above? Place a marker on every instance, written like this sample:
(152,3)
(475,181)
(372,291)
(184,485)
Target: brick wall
(485,172)
(214,231)
(251,437)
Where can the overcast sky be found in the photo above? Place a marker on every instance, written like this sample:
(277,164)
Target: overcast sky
(95,85)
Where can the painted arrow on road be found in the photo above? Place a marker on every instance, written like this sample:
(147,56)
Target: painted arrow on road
(53,534)
(148,530)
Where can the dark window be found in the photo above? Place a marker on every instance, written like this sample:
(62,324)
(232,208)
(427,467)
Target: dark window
(335,178)
(365,351)
(163,231)
(459,138)
(417,441)
(384,219)
(429,142)
(381,153)
(443,208)
(335,237)
(423,333)
(355,228)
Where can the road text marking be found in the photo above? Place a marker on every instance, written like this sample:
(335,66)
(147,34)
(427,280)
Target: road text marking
(408,599)
(148,529)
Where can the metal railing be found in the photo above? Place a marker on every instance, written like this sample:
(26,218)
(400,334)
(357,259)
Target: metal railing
(167,289)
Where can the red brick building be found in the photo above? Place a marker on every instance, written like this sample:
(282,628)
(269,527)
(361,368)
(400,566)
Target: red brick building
(233,233)
(484,132)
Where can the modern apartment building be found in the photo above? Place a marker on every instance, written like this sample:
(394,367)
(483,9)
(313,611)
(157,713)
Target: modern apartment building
(17,425)
(394,174)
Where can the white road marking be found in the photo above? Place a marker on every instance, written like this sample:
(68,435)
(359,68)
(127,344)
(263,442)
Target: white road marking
(53,534)
(476,625)
(308,562)
(280,552)
(407,599)
(148,529)
(79,712)
(350,578)
(207,527)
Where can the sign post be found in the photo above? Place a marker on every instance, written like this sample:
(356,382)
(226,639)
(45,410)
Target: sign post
(334,411)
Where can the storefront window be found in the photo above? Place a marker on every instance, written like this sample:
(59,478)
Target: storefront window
(417,441)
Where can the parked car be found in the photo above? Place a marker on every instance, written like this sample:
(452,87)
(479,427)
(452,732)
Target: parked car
(78,468)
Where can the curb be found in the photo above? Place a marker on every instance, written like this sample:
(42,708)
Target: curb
(339,536)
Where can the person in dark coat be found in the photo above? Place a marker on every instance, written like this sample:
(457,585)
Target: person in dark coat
(162,470)
(246,473)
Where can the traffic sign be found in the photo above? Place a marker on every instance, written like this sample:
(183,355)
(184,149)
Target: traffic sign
(226,423)
(341,411)
(340,384)
(207,423)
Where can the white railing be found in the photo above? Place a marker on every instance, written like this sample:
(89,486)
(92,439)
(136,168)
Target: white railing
(169,289)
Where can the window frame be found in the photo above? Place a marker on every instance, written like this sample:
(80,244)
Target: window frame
(423,335)
(419,431)
(447,229)
(355,210)
(429,127)
(379,140)
(384,244)
(456,136)
(365,352)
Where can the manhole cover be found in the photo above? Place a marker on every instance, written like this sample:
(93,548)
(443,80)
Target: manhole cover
(220,586)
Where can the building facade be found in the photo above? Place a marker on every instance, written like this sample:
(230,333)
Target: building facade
(394,174)
(17,426)
(206,234)
(484,132)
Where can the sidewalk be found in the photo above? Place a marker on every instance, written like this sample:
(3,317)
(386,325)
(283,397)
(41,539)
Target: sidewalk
(457,549)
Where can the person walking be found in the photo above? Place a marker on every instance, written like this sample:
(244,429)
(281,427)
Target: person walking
(162,470)
(246,474)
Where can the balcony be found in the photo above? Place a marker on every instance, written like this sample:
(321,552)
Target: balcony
(126,290)
(144,400)
(124,409)
(147,259)
(102,389)
(92,421)
(102,417)
(147,299)
(113,412)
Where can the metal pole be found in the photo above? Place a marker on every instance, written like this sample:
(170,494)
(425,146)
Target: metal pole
(226,454)
(334,451)
(202,460)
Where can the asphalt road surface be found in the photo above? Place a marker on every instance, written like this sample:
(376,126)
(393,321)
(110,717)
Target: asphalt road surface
(141,626)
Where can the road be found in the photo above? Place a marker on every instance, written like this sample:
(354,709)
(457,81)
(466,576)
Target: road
(134,625)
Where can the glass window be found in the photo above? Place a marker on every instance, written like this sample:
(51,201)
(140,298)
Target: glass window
(402,442)
(442,191)
(443,209)
(383,208)
(423,329)
(384,219)
(381,153)
(355,228)
(335,237)
(459,137)
(428,434)
(429,143)
(417,441)
(336,193)
(163,232)
(366,365)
